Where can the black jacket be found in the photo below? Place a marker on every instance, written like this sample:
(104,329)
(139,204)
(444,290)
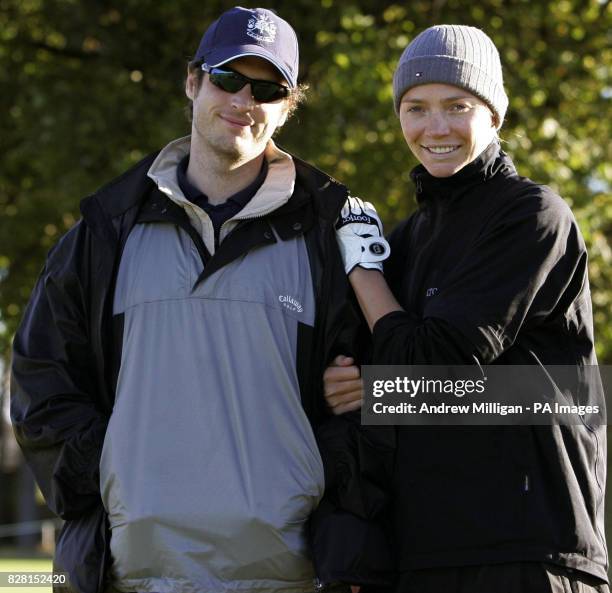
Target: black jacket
(65,360)
(492,269)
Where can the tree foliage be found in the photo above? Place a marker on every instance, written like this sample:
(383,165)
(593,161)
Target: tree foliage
(91,86)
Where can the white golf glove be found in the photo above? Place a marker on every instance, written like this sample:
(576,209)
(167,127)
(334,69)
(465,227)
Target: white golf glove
(360,236)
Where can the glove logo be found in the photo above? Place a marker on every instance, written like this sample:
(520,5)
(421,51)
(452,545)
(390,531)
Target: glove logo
(359,218)
(377,248)
(352,218)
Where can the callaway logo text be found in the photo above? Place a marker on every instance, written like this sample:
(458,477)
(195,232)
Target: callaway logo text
(290,303)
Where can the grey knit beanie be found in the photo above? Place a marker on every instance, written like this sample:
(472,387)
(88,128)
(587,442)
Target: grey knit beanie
(453,54)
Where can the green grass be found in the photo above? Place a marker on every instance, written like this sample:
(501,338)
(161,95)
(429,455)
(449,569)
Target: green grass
(25,565)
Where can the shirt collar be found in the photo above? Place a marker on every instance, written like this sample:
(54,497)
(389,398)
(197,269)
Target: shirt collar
(242,197)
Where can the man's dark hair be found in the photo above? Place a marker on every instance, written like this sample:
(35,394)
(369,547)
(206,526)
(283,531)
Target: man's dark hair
(297,95)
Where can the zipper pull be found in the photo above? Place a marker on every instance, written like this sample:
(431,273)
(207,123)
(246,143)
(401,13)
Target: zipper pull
(526,483)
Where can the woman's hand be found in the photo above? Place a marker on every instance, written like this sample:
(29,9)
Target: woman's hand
(342,385)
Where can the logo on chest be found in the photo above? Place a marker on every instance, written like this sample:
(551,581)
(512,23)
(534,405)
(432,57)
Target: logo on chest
(431,292)
(291,303)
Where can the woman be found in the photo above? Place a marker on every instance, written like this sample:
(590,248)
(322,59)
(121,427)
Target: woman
(490,269)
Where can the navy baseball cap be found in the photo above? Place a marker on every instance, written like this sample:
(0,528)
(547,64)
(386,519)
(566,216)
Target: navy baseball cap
(259,32)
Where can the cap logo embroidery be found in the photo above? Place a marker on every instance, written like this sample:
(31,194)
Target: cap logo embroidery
(262,28)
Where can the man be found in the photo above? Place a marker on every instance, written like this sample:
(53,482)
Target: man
(167,371)
(491,269)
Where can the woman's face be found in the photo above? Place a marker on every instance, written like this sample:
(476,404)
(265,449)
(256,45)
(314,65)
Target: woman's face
(445,126)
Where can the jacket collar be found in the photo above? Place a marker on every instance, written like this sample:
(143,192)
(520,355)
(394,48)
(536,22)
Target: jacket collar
(117,197)
(275,191)
(492,161)
(286,196)
(315,194)
(331,193)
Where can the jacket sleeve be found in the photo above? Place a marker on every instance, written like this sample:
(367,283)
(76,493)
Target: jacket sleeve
(357,459)
(349,532)
(527,265)
(53,386)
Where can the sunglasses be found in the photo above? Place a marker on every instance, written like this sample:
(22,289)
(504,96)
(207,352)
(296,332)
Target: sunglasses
(263,91)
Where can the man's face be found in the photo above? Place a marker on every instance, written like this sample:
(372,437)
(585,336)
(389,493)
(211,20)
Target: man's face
(234,125)
(445,126)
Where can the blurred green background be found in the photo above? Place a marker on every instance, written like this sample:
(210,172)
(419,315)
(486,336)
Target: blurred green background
(89,87)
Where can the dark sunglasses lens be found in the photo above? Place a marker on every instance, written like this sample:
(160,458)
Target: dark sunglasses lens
(230,82)
(264,92)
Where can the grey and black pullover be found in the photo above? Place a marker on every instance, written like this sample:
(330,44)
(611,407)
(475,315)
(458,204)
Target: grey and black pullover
(210,468)
(134,302)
